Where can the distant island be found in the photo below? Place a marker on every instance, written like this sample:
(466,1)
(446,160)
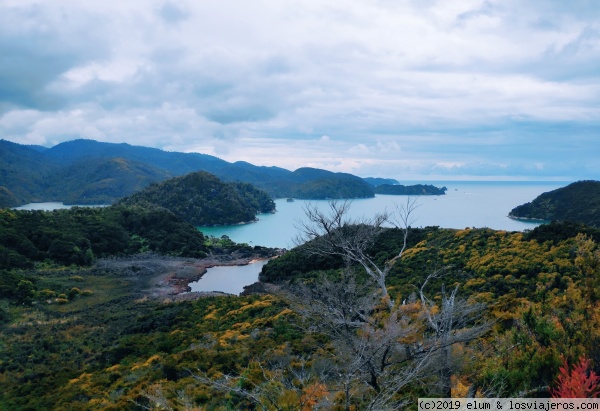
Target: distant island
(414,190)
(578,202)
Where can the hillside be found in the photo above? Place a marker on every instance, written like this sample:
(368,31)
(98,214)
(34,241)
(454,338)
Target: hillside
(87,172)
(101,180)
(377,181)
(108,345)
(202,199)
(22,171)
(577,202)
(414,190)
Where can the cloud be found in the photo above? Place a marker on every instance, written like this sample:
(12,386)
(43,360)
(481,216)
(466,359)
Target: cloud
(396,87)
(173,13)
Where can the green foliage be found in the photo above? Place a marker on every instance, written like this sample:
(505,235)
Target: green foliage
(106,348)
(202,199)
(577,202)
(556,232)
(4,315)
(414,190)
(333,188)
(80,235)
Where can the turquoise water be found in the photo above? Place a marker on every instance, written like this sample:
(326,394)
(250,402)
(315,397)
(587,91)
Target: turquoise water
(236,278)
(466,204)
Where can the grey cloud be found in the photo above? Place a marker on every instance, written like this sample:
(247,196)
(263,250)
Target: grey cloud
(36,48)
(237,113)
(483,103)
(173,13)
(486,9)
(576,60)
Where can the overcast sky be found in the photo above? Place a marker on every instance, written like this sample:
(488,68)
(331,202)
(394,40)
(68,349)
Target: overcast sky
(410,89)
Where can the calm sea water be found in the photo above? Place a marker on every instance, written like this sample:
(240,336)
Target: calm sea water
(236,277)
(466,204)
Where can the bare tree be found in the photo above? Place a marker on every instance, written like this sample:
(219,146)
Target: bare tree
(333,233)
(454,321)
(383,344)
(370,347)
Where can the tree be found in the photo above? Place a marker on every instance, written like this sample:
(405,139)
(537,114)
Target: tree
(333,233)
(454,321)
(25,291)
(386,349)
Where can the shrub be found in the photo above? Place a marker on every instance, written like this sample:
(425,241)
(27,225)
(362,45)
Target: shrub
(578,382)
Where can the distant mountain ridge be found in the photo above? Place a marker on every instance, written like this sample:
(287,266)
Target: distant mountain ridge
(578,202)
(92,172)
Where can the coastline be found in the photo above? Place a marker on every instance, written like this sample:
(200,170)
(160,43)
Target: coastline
(528,219)
(168,277)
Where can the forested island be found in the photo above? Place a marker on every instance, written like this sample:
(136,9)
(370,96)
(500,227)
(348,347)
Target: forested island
(413,190)
(577,202)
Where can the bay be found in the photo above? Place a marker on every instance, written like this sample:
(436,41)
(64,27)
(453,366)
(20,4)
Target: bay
(466,204)
(228,279)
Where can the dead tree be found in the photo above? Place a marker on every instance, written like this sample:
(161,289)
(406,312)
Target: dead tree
(333,233)
(454,321)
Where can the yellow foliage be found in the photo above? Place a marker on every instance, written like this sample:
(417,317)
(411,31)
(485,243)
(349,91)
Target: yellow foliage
(150,360)
(459,388)
(286,311)
(83,376)
(462,233)
(256,304)
(241,326)
(474,282)
(229,335)
(211,315)
(98,401)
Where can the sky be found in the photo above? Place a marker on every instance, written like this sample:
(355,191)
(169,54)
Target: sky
(406,89)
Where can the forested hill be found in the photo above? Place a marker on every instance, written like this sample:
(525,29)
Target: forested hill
(202,199)
(414,190)
(92,172)
(577,202)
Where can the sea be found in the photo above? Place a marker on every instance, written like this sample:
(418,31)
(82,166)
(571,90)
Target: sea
(475,204)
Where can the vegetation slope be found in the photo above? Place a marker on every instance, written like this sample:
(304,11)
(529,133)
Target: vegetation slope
(111,349)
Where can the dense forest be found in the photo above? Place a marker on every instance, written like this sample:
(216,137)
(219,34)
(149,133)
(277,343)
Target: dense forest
(578,202)
(414,190)
(80,332)
(92,172)
(202,199)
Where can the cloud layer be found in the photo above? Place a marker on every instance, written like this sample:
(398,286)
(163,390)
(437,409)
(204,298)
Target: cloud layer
(406,89)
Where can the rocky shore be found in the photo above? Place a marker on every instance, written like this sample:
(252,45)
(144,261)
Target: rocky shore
(168,278)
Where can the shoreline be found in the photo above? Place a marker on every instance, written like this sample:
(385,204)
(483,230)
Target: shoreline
(168,277)
(528,219)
